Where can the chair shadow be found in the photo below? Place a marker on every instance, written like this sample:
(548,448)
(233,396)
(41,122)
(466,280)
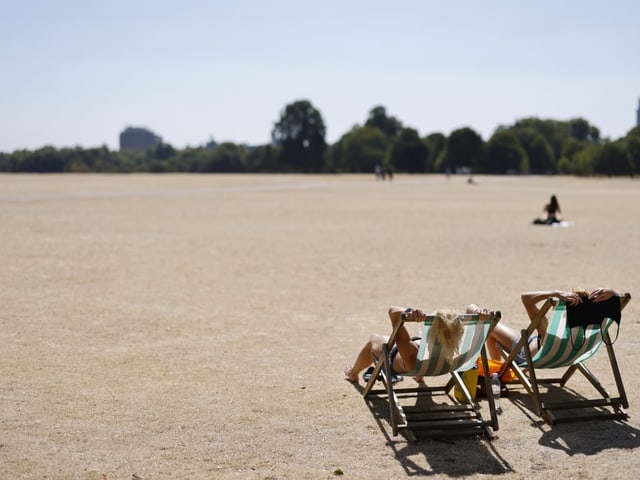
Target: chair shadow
(452,455)
(584,436)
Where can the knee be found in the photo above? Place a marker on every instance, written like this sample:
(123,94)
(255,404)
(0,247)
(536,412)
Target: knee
(375,345)
(376,341)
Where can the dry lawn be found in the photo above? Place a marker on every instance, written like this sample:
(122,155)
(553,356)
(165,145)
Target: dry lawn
(196,327)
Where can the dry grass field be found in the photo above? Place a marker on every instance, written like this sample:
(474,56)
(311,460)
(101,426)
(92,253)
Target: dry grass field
(197,327)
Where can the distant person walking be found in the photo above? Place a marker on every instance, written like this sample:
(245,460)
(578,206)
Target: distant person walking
(389,173)
(553,213)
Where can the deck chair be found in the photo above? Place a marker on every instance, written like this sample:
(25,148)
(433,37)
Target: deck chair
(452,416)
(568,348)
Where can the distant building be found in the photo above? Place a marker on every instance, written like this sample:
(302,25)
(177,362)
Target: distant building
(136,138)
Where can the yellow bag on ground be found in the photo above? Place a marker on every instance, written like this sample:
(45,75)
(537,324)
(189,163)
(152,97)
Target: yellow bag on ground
(470,378)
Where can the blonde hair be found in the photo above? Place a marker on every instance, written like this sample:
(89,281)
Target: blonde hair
(583,293)
(447,329)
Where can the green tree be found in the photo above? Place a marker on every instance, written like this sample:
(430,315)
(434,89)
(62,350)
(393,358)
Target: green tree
(362,149)
(122,162)
(44,160)
(185,160)
(333,160)
(554,132)
(378,117)
(580,129)
(263,159)
(227,158)
(634,132)
(540,155)
(162,151)
(582,162)
(409,153)
(539,151)
(464,149)
(5,162)
(300,133)
(632,140)
(90,160)
(504,154)
(572,146)
(612,159)
(437,145)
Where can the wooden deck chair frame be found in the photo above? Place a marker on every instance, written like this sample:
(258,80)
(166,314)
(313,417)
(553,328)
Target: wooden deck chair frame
(528,374)
(452,417)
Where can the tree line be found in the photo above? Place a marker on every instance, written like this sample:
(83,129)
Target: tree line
(530,146)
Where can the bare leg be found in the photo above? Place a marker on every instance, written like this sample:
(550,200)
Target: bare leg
(407,350)
(365,357)
(501,334)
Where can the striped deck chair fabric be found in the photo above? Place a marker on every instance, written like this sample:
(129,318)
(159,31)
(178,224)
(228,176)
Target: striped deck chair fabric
(567,349)
(431,361)
(452,416)
(563,346)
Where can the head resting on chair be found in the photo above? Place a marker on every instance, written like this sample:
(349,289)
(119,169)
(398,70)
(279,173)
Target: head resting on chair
(447,330)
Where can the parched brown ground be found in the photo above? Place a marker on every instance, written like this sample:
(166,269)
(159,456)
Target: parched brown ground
(196,327)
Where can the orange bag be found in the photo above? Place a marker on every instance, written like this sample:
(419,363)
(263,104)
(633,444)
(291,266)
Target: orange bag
(494,367)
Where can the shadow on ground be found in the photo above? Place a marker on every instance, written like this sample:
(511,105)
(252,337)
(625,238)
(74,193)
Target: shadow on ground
(469,455)
(586,437)
(452,455)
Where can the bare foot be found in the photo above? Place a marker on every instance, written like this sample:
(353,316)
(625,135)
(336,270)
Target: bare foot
(350,374)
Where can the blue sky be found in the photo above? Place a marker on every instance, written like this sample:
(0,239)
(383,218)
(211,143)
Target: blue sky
(77,72)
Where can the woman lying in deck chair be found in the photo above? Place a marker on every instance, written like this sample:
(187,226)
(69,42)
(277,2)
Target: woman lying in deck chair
(507,337)
(405,351)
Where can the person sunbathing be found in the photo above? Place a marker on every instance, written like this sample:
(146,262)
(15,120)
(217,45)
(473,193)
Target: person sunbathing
(506,337)
(553,212)
(404,353)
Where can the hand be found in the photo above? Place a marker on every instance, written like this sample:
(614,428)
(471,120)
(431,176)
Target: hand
(601,294)
(484,313)
(570,297)
(414,315)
